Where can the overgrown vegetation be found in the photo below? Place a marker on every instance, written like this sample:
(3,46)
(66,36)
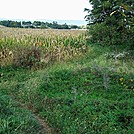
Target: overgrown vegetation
(91,91)
(14,119)
(74,99)
(78,82)
(79,87)
(111,22)
(108,35)
(37,48)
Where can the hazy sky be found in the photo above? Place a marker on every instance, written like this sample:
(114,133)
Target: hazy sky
(43,9)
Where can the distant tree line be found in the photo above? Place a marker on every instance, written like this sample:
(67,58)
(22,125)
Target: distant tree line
(37,24)
(9,23)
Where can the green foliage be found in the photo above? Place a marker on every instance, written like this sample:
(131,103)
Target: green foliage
(91,93)
(110,35)
(102,10)
(74,100)
(37,24)
(113,20)
(14,119)
(9,23)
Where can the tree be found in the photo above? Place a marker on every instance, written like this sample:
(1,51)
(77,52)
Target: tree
(64,26)
(55,25)
(74,27)
(112,21)
(113,12)
(27,24)
(9,23)
(37,24)
(43,25)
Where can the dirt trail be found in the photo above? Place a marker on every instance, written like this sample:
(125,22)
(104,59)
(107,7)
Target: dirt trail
(46,129)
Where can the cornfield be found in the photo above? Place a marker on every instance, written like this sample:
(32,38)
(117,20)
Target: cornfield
(37,47)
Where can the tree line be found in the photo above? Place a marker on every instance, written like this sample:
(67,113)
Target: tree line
(37,24)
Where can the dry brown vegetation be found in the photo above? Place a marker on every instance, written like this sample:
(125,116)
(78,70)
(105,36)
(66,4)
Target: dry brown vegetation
(37,47)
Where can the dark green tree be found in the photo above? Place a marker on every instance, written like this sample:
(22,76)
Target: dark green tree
(26,22)
(74,26)
(43,25)
(112,21)
(9,23)
(37,24)
(65,26)
(113,12)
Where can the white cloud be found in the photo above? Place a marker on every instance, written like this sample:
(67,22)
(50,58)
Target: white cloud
(43,9)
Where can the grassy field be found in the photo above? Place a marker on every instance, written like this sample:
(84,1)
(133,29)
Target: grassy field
(75,86)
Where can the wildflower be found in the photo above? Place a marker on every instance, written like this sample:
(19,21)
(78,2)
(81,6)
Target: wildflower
(121,79)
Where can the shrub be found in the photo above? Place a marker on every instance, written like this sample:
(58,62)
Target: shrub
(27,56)
(110,35)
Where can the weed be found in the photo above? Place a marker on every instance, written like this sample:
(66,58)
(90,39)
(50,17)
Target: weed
(81,91)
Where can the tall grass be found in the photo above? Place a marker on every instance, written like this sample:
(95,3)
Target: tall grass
(89,94)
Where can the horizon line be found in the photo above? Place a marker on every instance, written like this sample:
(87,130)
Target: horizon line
(79,22)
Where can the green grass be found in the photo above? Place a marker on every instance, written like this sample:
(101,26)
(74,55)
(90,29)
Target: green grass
(89,94)
(14,119)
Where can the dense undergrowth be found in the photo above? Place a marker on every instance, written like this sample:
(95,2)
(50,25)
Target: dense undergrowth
(91,93)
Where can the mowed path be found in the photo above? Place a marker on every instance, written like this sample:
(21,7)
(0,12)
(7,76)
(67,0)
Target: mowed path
(46,129)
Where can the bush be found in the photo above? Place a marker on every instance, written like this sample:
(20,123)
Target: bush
(110,35)
(27,56)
